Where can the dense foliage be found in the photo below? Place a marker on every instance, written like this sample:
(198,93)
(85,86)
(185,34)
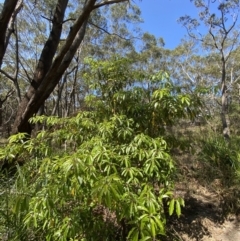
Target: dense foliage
(103,174)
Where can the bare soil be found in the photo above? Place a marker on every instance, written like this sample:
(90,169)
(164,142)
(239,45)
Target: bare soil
(203,220)
(210,212)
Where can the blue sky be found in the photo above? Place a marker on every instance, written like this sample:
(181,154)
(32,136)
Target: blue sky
(160,18)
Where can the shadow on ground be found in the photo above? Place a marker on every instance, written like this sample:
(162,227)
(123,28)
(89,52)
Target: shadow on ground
(191,223)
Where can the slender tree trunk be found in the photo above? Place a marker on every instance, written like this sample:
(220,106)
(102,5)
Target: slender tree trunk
(55,110)
(65,102)
(238,93)
(71,95)
(7,11)
(15,81)
(224,111)
(59,95)
(1,112)
(60,90)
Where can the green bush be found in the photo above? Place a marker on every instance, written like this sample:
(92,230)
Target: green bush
(89,180)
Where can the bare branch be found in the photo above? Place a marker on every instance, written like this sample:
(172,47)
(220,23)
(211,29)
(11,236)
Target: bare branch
(49,19)
(213,37)
(104,30)
(25,71)
(69,19)
(187,74)
(231,48)
(236,79)
(7,75)
(9,93)
(108,2)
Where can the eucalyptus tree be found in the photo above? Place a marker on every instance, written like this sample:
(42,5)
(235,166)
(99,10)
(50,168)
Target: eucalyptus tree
(55,55)
(221,38)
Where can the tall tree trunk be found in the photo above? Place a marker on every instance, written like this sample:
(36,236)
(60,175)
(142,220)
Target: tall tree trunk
(15,78)
(42,68)
(224,111)
(6,14)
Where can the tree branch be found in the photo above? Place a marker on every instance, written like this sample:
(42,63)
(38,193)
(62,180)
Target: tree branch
(9,93)
(187,74)
(104,30)
(107,2)
(213,37)
(7,75)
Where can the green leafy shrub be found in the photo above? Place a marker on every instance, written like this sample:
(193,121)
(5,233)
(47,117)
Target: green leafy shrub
(90,180)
